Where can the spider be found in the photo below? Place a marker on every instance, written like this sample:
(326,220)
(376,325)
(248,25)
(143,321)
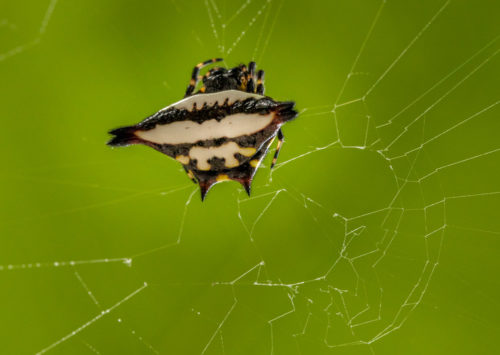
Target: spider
(221,132)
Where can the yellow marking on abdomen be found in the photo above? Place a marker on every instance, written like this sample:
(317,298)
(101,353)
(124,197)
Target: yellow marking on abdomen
(222,177)
(248,152)
(183,159)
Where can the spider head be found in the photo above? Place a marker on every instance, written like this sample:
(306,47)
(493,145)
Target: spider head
(221,79)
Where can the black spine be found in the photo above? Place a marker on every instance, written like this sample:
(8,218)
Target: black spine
(123,136)
(286,110)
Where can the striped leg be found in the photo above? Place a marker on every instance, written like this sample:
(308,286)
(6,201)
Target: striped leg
(196,71)
(281,139)
(251,77)
(260,82)
(243,77)
(190,174)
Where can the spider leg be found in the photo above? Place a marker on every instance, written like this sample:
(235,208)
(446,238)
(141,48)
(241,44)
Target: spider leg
(251,77)
(243,76)
(196,71)
(203,88)
(260,82)
(281,139)
(190,174)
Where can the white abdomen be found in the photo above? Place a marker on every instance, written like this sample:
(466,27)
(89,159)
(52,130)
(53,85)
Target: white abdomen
(179,132)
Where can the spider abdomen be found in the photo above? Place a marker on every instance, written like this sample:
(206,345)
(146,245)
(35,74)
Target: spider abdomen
(193,136)
(216,136)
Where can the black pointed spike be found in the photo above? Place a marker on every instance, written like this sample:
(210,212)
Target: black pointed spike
(285,105)
(205,186)
(285,111)
(123,136)
(203,193)
(247,185)
(248,188)
(203,190)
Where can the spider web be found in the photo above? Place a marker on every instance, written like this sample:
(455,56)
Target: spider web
(400,180)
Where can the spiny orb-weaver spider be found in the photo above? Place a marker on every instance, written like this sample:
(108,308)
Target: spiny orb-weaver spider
(221,132)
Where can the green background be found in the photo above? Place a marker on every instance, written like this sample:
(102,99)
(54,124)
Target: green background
(378,233)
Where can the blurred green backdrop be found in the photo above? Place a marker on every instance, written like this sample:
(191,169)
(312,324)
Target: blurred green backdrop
(377,233)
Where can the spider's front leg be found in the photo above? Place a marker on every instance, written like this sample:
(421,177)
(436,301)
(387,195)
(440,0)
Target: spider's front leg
(196,71)
(281,139)
(190,174)
(260,82)
(251,77)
